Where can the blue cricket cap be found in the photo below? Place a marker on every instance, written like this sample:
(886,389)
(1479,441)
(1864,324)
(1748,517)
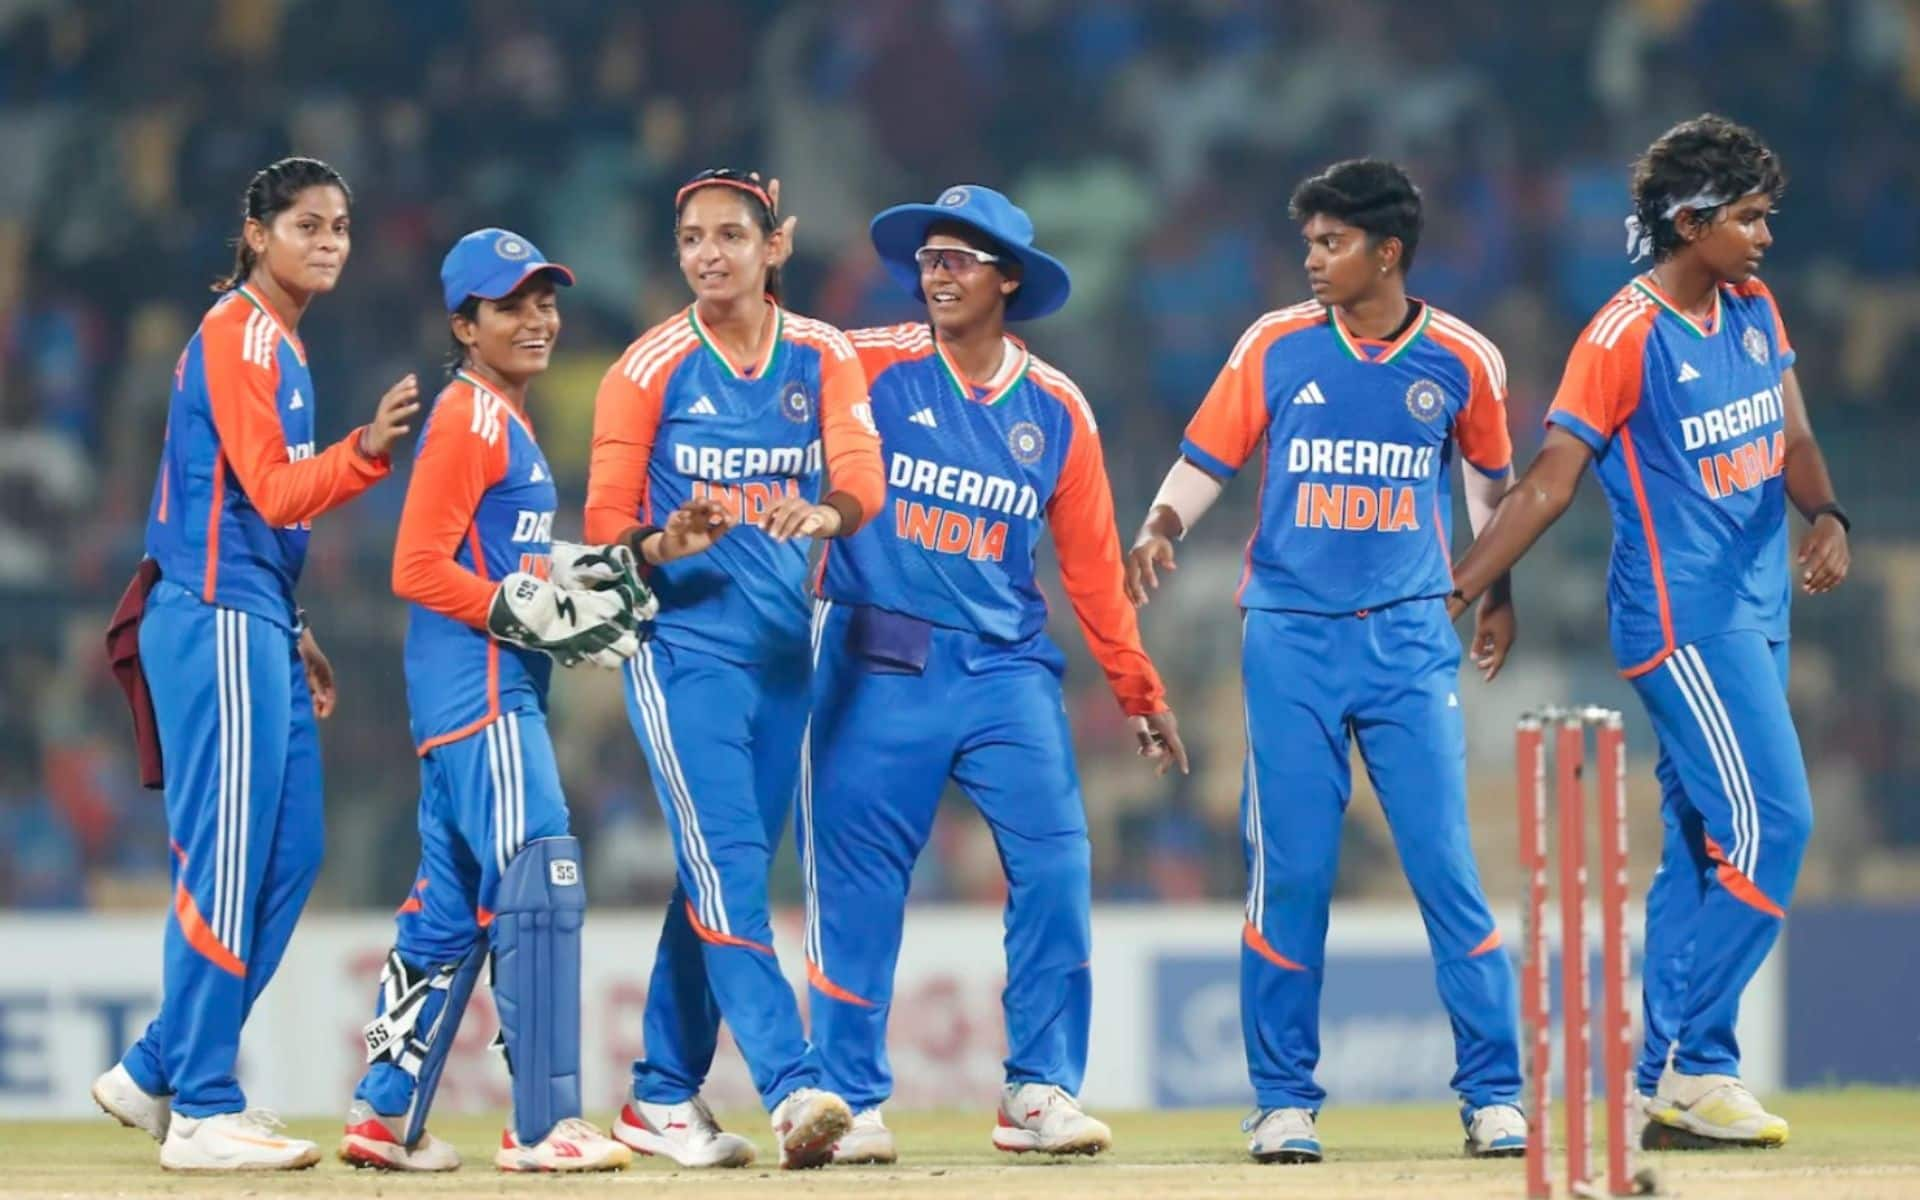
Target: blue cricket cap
(490,264)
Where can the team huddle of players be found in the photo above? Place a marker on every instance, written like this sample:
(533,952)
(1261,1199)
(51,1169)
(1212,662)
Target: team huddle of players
(930,458)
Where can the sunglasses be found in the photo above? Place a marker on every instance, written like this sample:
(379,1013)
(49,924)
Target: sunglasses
(952,259)
(746,181)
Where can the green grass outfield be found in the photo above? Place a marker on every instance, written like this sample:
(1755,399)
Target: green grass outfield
(1847,1145)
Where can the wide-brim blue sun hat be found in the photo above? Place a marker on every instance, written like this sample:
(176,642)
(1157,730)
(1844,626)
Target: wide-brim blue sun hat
(902,229)
(492,264)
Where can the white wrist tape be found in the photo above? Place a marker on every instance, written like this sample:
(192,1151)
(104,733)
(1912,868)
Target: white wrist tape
(1189,492)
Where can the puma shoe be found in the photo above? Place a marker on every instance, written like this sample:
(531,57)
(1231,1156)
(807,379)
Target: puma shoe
(372,1140)
(685,1132)
(1038,1117)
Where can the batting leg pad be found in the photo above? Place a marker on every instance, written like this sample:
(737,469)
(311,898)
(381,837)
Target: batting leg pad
(538,911)
(420,1012)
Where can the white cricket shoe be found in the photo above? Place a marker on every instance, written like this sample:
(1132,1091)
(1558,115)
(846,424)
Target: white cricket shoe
(1495,1131)
(372,1140)
(869,1141)
(1715,1106)
(807,1124)
(238,1141)
(122,1099)
(1282,1135)
(571,1145)
(685,1132)
(1041,1117)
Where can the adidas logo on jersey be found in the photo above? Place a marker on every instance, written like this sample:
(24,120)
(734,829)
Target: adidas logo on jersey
(295,404)
(539,474)
(1687,373)
(703,407)
(1310,394)
(925,417)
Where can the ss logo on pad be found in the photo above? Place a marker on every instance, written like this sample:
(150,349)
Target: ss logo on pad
(563,872)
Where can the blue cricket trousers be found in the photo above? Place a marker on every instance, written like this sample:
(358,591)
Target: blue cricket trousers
(243,794)
(1736,814)
(883,743)
(723,742)
(482,799)
(1387,679)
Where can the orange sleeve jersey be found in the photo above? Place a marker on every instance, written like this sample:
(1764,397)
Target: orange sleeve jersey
(1687,424)
(674,419)
(456,463)
(240,481)
(1087,543)
(1354,437)
(977,473)
(479,507)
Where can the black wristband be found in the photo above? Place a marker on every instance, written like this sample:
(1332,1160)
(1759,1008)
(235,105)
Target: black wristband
(638,537)
(1831,510)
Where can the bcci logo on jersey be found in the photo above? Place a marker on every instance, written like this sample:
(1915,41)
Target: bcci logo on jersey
(1755,344)
(1424,400)
(794,406)
(1027,443)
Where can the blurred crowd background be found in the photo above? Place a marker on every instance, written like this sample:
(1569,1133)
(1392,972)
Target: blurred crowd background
(1154,143)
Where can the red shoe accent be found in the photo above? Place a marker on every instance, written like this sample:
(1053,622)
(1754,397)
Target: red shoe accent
(374,1130)
(566,1150)
(1032,1113)
(631,1116)
(1003,1120)
(507,1141)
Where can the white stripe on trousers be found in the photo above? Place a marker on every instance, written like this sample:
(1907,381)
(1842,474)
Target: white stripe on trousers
(517,776)
(1256,841)
(509,790)
(809,878)
(1689,673)
(652,701)
(1714,703)
(229,760)
(231,816)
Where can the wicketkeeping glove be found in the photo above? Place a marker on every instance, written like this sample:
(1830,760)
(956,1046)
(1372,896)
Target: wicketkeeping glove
(599,567)
(571,624)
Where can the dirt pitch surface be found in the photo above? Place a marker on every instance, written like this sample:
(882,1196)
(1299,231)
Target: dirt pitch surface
(1856,1145)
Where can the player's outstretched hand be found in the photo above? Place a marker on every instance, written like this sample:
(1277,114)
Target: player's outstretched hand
(1158,740)
(1151,554)
(392,418)
(1824,556)
(1494,628)
(692,528)
(793,516)
(319,675)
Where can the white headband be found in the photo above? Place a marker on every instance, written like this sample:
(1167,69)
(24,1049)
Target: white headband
(1640,238)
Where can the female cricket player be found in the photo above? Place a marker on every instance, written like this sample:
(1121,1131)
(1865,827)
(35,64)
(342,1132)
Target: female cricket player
(494,600)
(763,413)
(1681,392)
(934,664)
(1355,402)
(236,677)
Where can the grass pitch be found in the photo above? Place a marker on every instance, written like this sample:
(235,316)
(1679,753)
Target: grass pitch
(1855,1144)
